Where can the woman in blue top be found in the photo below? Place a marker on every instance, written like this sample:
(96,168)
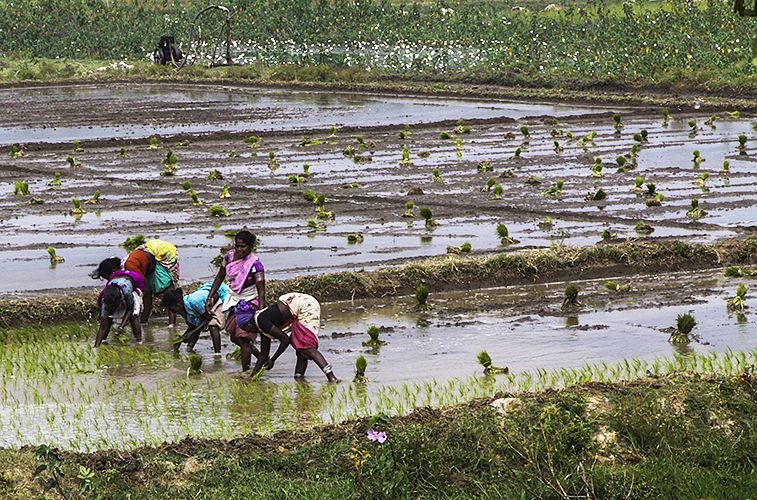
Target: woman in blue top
(192,308)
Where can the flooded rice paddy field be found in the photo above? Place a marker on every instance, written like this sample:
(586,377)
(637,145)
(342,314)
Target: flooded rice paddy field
(118,396)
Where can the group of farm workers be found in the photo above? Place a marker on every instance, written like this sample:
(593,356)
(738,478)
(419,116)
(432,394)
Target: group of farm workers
(238,307)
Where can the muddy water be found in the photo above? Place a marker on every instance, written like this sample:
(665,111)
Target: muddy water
(524,328)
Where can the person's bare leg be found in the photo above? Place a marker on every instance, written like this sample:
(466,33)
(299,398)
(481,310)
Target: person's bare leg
(136,328)
(246,348)
(301,366)
(319,360)
(102,332)
(215,336)
(147,302)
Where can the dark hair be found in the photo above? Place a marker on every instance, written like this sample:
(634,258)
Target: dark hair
(247,237)
(171,297)
(111,297)
(108,267)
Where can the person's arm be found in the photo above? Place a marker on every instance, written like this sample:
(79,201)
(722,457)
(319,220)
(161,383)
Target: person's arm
(193,334)
(214,288)
(260,285)
(265,350)
(283,344)
(105,323)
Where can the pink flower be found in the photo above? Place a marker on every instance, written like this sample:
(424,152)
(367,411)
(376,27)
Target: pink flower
(376,436)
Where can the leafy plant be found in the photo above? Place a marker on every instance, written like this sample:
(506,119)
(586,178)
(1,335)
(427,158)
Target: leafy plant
(225,192)
(612,286)
(685,323)
(195,365)
(20,188)
(444,136)
(195,198)
(406,158)
(742,142)
(409,209)
(170,158)
(426,214)
(516,154)
(47,459)
(14,152)
(498,190)
(571,297)
(489,184)
(737,302)
(421,295)
(435,175)
(310,142)
(168,171)
(598,196)
(77,148)
(55,181)
(558,149)
(95,198)
(309,195)
(272,161)
(486,361)
(665,116)
(643,227)
(133,242)
(77,206)
(555,190)
(54,259)
(186,185)
(72,162)
(466,247)
(524,130)
(355,238)
(618,125)
(122,153)
(349,151)
(217,211)
(332,133)
(608,235)
(638,182)
(374,341)
(695,212)
(253,141)
(153,143)
(484,166)
(214,175)
(726,166)
(504,235)
(360,366)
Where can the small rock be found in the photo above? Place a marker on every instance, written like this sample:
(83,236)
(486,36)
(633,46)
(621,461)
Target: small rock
(506,405)
(415,191)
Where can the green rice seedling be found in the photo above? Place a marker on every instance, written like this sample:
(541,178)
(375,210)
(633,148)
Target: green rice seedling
(485,166)
(644,135)
(643,227)
(445,136)
(233,154)
(426,214)
(571,297)
(54,258)
(735,115)
(153,143)
(737,303)
(486,361)
(272,162)
(558,149)
(596,169)
(195,198)
(225,192)
(711,121)
(186,185)
(665,117)
(524,130)
(424,154)
(170,158)
(373,341)
(35,200)
(77,206)
(253,140)
(168,171)
(466,247)
(695,212)
(77,147)
(726,166)
(360,366)
(355,238)
(489,184)
(312,224)
(72,162)
(685,323)
(332,132)
(742,142)
(95,198)
(517,153)
(20,188)
(533,181)
(638,182)
(421,296)
(702,179)
(693,127)
(132,243)
(122,153)
(195,365)
(309,195)
(216,211)
(406,158)
(324,215)
(621,161)
(409,209)
(545,223)
(637,137)
(608,235)
(214,175)
(14,152)
(697,159)
(404,135)
(498,190)
(320,200)
(598,196)
(556,189)
(612,286)
(435,175)
(733,272)
(504,235)
(293,179)
(650,189)
(305,171)
(309,142)
(569,135)
(458,143)
(618,125)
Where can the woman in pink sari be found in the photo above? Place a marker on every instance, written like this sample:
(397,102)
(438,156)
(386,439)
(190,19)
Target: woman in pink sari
(246,280)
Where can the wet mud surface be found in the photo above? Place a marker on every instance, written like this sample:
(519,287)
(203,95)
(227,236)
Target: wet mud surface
(136,199)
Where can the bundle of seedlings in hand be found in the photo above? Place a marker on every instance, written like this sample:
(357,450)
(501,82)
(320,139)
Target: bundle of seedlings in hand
(360,365)
(571,297)
(426,214)
(737,303)
(54,259)
(684,324)
(373,333)
(486,361)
